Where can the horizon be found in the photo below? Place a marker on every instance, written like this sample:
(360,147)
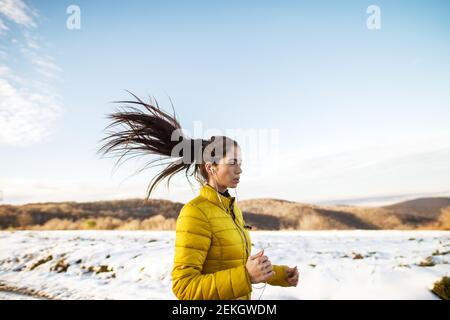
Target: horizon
(357,202)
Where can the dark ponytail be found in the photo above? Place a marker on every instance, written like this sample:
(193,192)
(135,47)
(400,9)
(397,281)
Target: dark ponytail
(138,128)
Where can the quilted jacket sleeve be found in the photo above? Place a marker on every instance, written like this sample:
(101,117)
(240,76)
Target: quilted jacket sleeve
(279,278)
(192,242)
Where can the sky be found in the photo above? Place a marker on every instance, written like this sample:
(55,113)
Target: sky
(326,108)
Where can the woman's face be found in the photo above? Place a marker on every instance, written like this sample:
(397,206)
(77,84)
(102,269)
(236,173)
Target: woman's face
(228,170)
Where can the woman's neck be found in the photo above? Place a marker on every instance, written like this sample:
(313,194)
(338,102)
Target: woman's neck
(220,188)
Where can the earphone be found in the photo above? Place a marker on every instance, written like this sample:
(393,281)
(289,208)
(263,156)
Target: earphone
(263,287)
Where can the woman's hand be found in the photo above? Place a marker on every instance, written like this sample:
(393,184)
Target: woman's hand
(259,267)
(292,276)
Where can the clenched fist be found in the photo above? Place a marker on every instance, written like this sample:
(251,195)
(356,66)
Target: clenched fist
(292,276)
(259,267)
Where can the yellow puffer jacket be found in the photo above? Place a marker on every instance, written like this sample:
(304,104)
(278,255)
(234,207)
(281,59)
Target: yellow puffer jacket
(211,251)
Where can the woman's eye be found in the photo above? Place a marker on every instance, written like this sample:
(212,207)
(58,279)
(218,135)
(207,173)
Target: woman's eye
(233,163)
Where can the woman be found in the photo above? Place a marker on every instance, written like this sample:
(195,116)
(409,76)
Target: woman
(212,246)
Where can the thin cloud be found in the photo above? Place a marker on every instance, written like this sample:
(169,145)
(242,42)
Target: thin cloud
(29,105)
(18,12)
(3,27)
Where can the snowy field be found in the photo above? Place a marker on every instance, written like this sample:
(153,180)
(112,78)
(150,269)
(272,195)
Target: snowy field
(137,264)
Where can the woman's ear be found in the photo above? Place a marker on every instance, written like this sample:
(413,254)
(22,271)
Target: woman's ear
(209,167)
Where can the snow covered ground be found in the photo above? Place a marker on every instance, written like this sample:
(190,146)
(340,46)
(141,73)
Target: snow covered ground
(137,264)
(15,296)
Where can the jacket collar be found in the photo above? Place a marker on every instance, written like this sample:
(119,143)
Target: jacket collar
(211,194)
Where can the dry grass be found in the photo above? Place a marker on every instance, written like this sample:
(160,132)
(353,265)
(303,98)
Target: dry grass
(60,266)
(262,214)
(357,256)
(40,262)
(102,215)
(441,288)
(157,222)
(290,215)
(444,219)
(428,262)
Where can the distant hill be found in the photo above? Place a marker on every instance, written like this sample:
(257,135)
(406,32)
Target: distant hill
(262,214)
(281,214)
(119,214)
(422,207)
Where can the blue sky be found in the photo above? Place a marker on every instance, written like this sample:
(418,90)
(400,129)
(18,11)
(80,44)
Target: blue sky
(355,114)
